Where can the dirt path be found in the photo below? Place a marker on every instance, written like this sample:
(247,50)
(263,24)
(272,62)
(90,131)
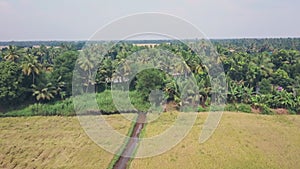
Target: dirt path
(132,144)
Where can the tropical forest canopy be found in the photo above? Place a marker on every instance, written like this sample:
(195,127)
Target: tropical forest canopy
(263,74)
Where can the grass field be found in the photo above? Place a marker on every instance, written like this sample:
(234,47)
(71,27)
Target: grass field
(52,142)
(241,141)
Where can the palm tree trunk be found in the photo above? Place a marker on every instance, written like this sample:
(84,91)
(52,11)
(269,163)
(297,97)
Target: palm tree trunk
(32,78)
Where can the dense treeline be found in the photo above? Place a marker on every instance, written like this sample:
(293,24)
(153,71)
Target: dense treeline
(261,74)
(259,45)
(243,44)
(75,44)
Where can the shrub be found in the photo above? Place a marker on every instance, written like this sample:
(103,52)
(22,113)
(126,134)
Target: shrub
(244,108)
(292,112)
(62,108)
(212,108)
(239,108)
(231,107)
(202,109)
(265,109)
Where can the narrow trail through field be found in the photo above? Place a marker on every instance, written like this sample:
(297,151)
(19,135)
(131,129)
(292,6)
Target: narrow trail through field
(132,144)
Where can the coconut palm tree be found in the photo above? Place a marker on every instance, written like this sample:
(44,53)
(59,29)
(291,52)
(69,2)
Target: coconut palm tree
(31,66)
(87,62)
(53,53)
(263,61)
(60,88)
(44,93)
(12,53)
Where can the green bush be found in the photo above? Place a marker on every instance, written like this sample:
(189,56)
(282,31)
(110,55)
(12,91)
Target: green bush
(244,108)
(239,108)
(231,107)
(201,109)
(61,108)
(212,108)
(265,109)
(292,112)
(217,108)
(105,104)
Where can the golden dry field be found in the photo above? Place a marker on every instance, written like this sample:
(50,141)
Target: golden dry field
(241,141)
(52,142)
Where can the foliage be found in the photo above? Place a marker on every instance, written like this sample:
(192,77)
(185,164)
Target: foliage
(265,86)
(31,66)
(62,108)
(12,89)
(65,107)
(149,80)
(63,70)
(44,93)
(265,109)
(255,70)
(246,108)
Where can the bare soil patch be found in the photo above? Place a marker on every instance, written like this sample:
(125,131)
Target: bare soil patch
(281,111)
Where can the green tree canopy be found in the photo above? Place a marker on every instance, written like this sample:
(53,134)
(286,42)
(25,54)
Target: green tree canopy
(63,69)
(11,87)
(148,80)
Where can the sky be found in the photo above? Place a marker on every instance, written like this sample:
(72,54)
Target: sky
(80,19)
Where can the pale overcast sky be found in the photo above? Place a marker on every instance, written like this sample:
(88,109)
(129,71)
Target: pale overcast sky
(79,19)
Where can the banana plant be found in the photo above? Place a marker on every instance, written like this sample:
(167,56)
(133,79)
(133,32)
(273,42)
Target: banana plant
(283,99)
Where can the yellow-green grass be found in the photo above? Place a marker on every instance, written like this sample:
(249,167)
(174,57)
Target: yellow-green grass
(52,142)
(240,141)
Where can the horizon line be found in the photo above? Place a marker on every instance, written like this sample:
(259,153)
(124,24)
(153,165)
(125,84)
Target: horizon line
(80,40)
(213,38)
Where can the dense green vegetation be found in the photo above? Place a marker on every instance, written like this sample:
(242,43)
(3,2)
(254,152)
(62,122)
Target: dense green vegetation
(261,74)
